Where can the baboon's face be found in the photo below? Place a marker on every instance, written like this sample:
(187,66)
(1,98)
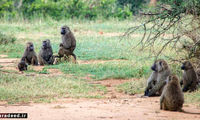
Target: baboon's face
(65,30)
(30,46)
(172,79)
(46,44)
(159,66)
(186,65)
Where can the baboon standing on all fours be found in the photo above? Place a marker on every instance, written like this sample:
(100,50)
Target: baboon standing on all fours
(156,81)
(22,66)
(172,96)
(45,56)
(189,79)
(30,55)
(68,44)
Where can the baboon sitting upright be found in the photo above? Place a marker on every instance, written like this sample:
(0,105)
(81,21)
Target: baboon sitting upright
(189,79)
(68,44)
(45,56)
(156,81)
(30,55)
(22,66)
(172,96)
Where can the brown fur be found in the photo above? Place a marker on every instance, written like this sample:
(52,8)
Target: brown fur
(156,81)
(30,55)
(68,44)
(22,66)
(172,98)
(189,79)
(45,56)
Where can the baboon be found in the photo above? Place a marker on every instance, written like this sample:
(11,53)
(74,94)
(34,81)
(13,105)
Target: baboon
(22,66)
(45,56)
(30,55)
(68,44)
(172,96)
(156,81)
(189,79)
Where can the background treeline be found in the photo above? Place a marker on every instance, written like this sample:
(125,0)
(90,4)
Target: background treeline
(58,9)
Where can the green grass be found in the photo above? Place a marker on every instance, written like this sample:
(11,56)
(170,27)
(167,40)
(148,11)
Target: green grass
(193,97)
(120,60)
(19,88)
(133,87)
(108,70)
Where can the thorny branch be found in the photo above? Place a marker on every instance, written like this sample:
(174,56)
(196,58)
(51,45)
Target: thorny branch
(171,27)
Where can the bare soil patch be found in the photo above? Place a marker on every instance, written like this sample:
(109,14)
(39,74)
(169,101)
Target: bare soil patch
(97,109)
(3,56)
(110,34)
(111,85)
(11,64)
(55,71)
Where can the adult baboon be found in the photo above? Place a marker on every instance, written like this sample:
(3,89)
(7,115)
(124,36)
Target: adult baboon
(30,55)
(22,65)
(189,79)
(45,56)
(172,96)
(156,81)
(68,44)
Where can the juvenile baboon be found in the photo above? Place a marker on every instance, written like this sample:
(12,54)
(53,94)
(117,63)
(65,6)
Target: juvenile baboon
(172,96)
(156,81)
(189,79)
(22,66)
(30,55)
(45,56)
(68,44)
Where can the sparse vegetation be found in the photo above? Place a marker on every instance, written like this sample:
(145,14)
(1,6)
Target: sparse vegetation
(19,88)
(101,56)
(6,39)
(116,43)
(133,87)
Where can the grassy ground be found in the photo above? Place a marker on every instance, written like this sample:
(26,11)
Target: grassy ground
(96,40)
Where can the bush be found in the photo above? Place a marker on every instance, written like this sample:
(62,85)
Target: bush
(6,39)
(6,8)
(59,9)
(123,13)
(135,5)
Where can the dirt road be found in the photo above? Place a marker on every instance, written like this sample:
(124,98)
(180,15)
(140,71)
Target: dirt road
(134,108)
